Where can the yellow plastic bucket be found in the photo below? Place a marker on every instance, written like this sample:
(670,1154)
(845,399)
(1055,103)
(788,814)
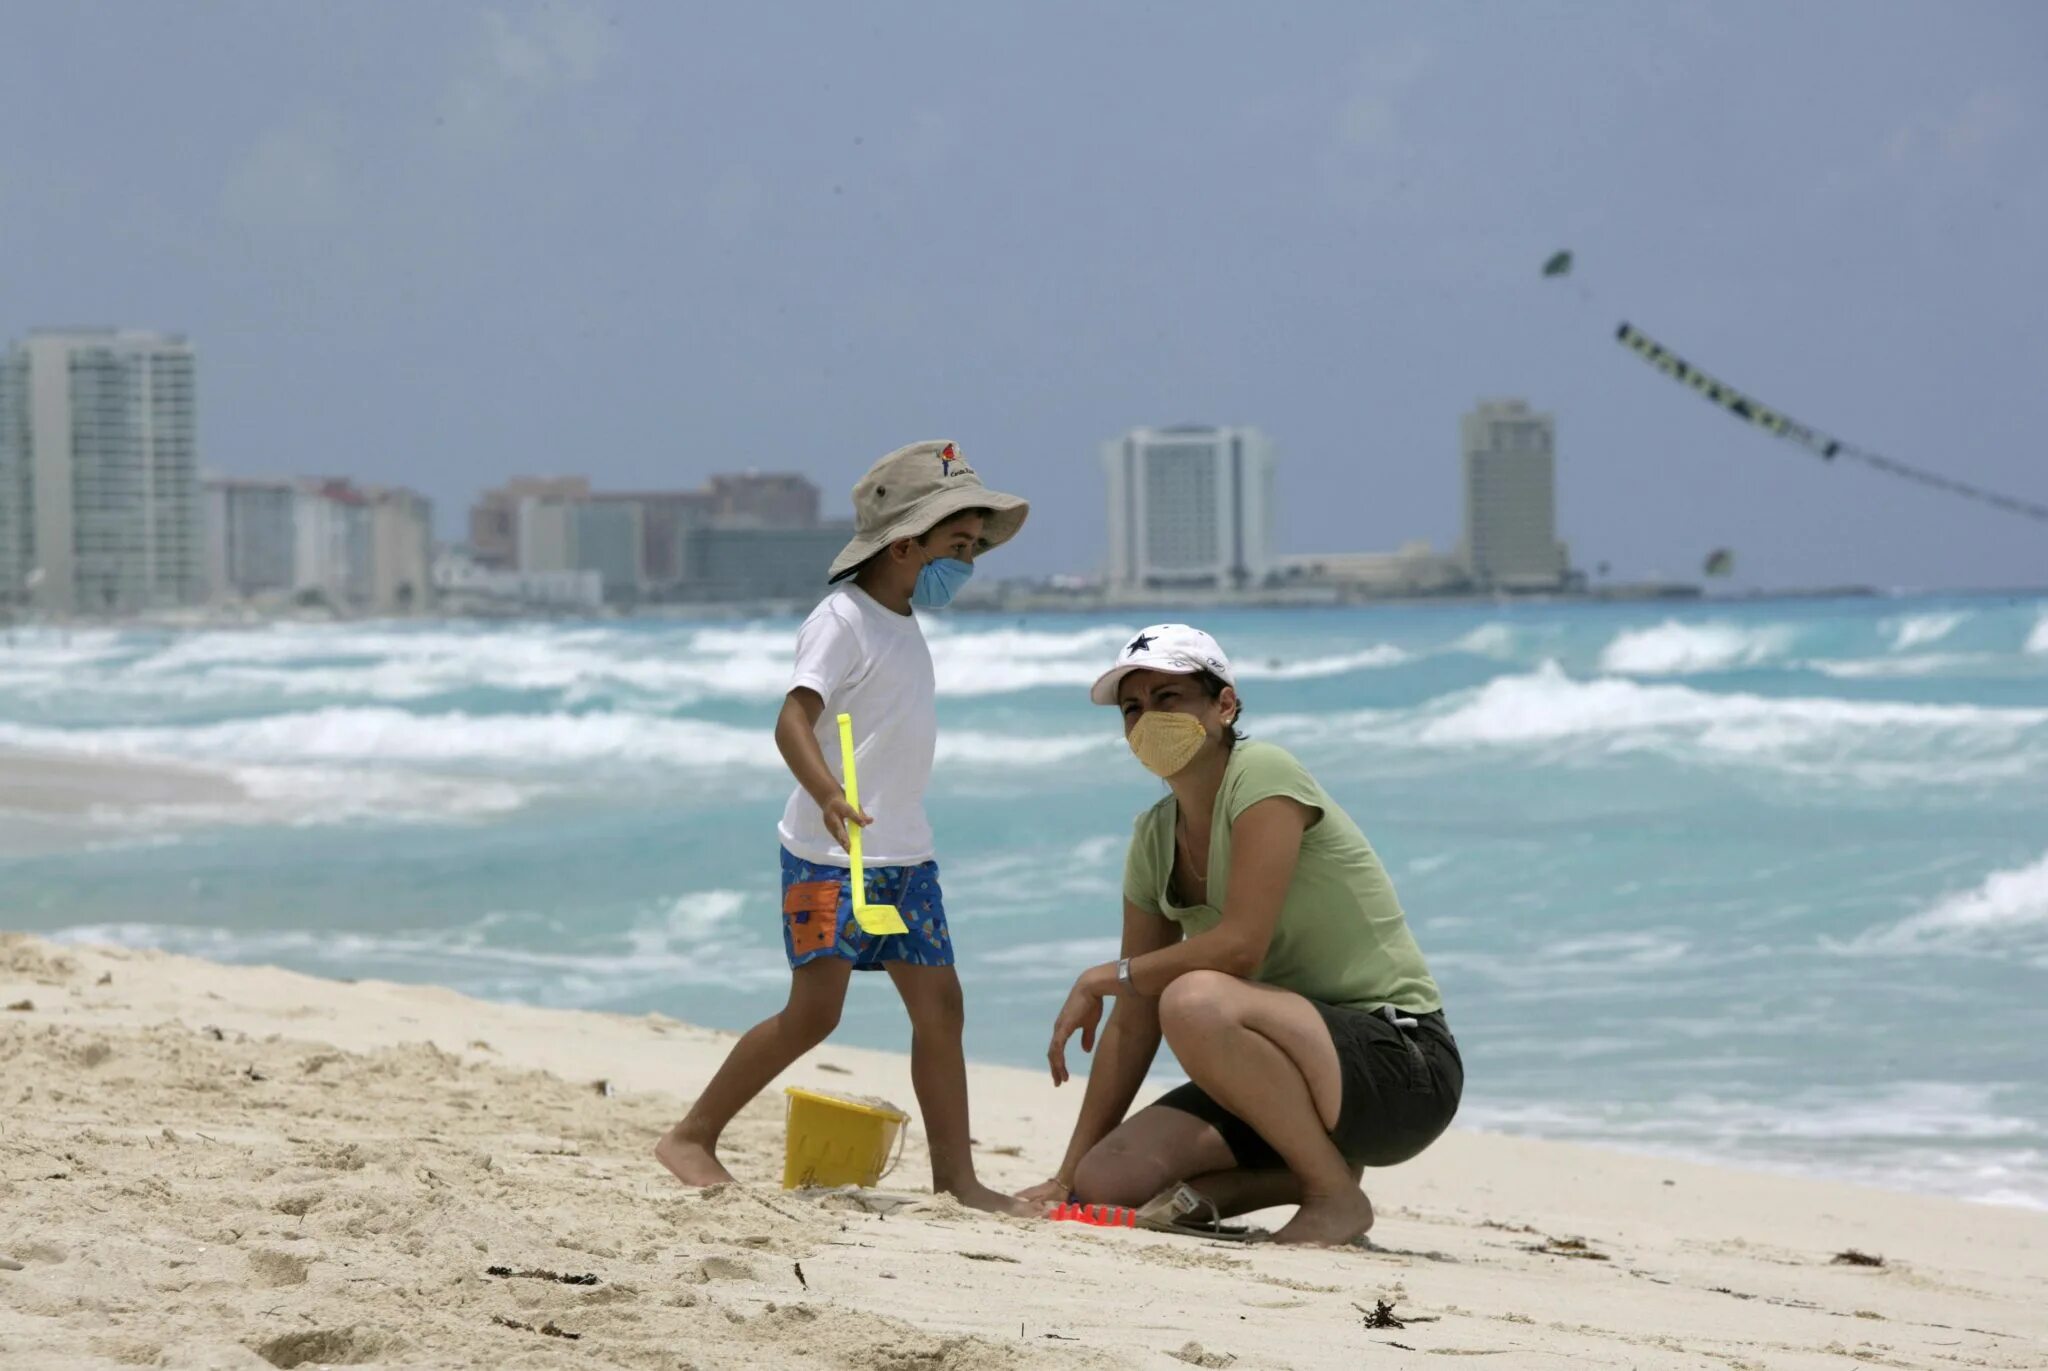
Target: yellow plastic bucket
(834,1140)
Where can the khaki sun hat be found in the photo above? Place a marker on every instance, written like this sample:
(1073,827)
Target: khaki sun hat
(914,488)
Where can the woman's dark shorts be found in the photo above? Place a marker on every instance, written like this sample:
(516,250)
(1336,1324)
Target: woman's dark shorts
(1401,1087)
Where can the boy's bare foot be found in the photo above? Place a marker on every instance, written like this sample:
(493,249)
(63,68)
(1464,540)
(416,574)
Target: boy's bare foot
(690,1161)
(1328,1220)
(975,1195)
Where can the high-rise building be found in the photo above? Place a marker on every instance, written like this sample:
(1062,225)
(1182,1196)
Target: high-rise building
(744,563)
(99,473)
(357,549)
(17,488)
(546,527)
(773,500)
(250,536)
(1510,471)
(655,544)
(1190,507)
(334,546)
(494,518)
(401,550)
(666,518)
(609,537)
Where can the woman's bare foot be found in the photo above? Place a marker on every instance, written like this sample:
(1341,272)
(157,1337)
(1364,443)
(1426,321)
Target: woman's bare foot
(1328,1220)
(975,1195)
(690,1161)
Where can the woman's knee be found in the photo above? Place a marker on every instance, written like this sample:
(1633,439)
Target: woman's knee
(1198,1001)
(1112,1172)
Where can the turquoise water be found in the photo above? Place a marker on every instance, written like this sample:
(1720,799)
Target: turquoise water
(1762,883)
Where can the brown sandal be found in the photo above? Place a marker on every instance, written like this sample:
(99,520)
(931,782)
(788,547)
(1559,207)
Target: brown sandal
(1185,1210)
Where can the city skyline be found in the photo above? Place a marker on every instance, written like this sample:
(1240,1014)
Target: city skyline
(519,248)
(106,420)
(1190,509)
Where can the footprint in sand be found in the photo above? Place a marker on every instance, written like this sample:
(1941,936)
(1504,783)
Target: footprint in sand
(721,1269)
(328,1347)
(278,1268)
(46,1252)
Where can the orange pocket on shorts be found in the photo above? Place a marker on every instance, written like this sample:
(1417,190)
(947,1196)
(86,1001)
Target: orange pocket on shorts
(811,909)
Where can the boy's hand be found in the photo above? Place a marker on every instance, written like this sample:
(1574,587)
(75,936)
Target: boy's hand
(838,814)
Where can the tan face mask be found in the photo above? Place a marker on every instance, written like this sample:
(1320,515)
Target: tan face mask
(1166,741)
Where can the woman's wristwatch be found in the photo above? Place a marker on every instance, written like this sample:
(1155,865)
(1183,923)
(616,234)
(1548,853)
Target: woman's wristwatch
(1123,976)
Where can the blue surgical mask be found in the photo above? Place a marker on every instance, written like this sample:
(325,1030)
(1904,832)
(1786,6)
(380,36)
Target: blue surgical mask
(939,582)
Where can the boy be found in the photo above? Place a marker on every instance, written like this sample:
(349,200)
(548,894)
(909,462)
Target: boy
(921,516)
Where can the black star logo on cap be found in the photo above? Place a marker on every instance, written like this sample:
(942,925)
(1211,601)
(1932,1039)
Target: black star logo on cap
(1138,644)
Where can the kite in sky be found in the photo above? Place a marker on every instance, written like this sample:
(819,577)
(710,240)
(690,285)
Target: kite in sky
(1745,406)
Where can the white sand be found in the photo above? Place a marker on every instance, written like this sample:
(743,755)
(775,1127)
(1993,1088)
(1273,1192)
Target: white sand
(207,1166)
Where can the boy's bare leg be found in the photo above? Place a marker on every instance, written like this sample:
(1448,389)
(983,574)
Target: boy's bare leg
(938,1069)
(817,992)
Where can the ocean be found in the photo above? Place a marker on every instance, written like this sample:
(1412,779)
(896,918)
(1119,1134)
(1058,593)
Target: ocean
(1760,883)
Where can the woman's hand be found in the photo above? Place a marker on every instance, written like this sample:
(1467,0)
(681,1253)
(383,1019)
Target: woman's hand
(1053,1191)
(1081,1013)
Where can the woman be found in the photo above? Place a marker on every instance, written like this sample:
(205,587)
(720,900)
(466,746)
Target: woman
(1264,942)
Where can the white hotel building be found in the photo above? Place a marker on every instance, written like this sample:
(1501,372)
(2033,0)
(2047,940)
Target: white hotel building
(1510,471)
(1190,508)
(99,473)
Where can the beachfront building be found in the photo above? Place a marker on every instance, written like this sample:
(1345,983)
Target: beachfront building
(99,473)
(251,536)
(557,533)
(743,563)
(763,500)
(1190,508)
(1416,569)
(609,537)
(545,528)
(494,518)
(655,545)
(334,544)
(666,519)
(324,540)
(1510,482)
(463,584)
(401,550)
(17,486)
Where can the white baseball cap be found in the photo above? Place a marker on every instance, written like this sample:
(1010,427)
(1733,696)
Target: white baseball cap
(1173,648)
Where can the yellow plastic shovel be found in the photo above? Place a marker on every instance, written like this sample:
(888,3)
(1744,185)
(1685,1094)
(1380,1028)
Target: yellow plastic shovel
(878,919)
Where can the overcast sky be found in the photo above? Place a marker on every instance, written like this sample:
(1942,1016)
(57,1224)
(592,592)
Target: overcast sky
(438,244)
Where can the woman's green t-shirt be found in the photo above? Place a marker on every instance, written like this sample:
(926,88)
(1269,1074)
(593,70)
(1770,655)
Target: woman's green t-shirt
(1341,937)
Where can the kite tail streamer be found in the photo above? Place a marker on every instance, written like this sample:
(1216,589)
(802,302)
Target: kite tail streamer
(1749,408)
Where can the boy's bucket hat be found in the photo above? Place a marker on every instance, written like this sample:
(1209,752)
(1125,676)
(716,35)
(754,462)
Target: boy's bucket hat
(912,489)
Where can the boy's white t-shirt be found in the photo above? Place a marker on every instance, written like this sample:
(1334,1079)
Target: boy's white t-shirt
(871,662)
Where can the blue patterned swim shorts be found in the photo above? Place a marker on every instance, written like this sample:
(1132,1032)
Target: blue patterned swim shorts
(817,915)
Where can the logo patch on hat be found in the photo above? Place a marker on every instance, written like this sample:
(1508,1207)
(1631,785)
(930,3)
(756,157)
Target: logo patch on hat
(951,463)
